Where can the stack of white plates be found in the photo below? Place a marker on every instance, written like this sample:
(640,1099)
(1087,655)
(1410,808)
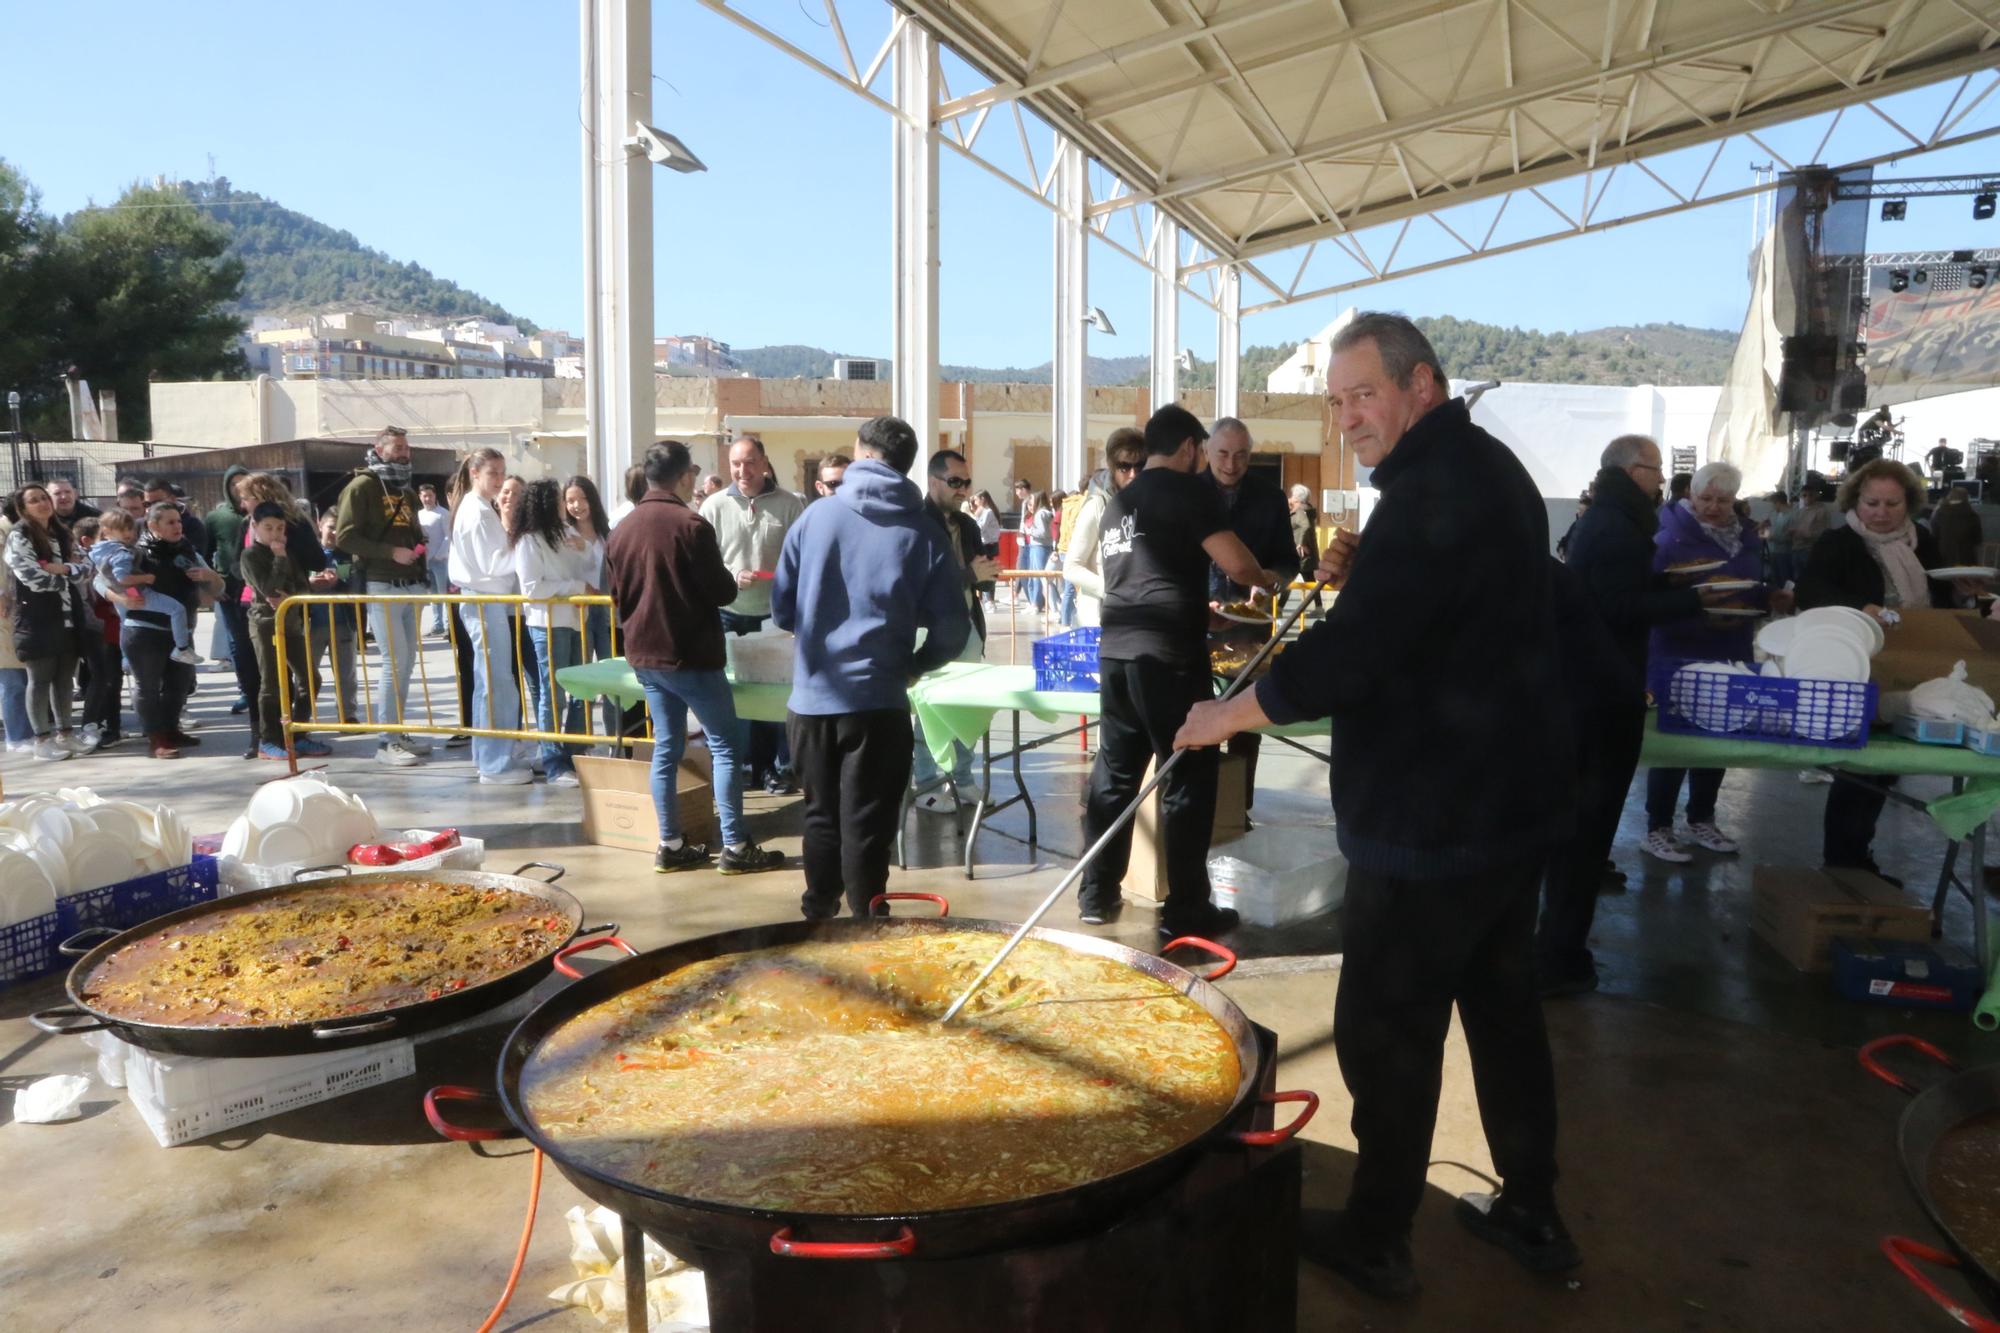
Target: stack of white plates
(1825,643)
(1702,698)
(76,841)
(299,821)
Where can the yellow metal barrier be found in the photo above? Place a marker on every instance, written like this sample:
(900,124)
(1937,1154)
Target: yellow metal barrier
(356,605)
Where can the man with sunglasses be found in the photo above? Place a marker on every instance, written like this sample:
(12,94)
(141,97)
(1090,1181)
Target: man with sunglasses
(948,483)
(831,469)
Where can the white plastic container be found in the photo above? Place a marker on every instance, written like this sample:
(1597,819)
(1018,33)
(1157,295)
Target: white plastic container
(235,876)
(1274,876)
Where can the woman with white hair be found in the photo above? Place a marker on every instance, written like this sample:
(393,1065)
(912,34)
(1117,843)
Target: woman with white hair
(1703,530)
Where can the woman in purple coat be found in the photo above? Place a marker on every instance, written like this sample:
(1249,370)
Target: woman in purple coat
(1703,529)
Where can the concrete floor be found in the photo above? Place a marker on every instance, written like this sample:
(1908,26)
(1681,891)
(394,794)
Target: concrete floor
(1726,1164)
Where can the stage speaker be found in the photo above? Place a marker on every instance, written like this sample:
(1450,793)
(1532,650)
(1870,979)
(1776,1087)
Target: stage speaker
(1809,373)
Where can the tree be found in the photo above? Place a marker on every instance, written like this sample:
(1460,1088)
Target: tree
(27,236)
(143,289)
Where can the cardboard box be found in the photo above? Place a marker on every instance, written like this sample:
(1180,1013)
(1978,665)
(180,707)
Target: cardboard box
(1798,911)
(618,800)
(1928,641)
(1146,876)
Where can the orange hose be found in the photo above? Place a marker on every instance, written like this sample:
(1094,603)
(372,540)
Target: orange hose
(521,1252)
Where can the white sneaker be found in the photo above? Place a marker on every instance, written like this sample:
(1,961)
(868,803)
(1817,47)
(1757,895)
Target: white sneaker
(938,802)
(396,755)
(21,747)
(1711,838)
(1660,845)
(74,742)
(417,746)
(48,750)
(1811,775)
(90,737)
(506,777)
(566,778)
(188,656)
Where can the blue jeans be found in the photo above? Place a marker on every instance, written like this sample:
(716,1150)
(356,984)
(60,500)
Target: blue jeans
(1035,556)
(14,704)
(548,697)
(496,700)
(394,625)
(669,696)
(439,578)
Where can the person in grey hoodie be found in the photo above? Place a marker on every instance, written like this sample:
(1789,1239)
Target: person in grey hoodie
(860,573)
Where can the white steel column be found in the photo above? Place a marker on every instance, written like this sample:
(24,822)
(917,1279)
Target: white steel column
(914,373)
(618,235)
(1229,343)
(1072,303)
(1166,261)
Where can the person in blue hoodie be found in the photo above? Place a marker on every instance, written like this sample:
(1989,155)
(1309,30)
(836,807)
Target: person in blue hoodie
(861,572)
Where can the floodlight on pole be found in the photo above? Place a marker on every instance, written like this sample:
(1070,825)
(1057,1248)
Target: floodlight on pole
(664,149)
(1100,321)
(1186,359)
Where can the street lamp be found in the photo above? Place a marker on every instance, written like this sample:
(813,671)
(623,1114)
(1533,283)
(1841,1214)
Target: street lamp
(14,443)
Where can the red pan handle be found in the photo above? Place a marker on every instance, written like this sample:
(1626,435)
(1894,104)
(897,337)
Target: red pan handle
(903,1244)
(1870,1062)
(459,1133)
(943,904)
(583,946)
(1906,1254)
(1271,1138)
(1210,946)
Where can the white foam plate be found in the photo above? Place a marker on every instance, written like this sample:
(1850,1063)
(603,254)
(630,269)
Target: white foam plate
(1776,637)
(274,804)
(1867,629)
(25,892)
(1705,567)
(96,864)
(1728,585)
(288,844)
(1686,691)
(1986,572)
(117,826)
(1826,654)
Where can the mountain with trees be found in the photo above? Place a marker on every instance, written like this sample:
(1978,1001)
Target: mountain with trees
(294,265)
(140,290)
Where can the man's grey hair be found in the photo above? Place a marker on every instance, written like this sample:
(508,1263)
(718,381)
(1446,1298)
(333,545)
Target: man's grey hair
(1228,423)
(1726,475)
(1626,450)
(1400,343)
(1301,493)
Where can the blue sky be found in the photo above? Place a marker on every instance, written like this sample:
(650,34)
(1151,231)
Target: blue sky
(449,135)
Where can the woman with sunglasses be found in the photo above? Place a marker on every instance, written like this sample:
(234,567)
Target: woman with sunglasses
(1083,567)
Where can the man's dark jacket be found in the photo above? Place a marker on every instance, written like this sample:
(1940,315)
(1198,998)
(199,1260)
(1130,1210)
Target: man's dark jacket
(1611,550)
(667,581)
(1452,745)
(961,531)
(1258,514)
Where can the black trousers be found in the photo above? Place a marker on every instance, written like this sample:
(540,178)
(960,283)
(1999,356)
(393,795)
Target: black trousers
(1413,949)
(853,768)
(1608,756)
(268,723)
(461,663)
(160,685)
(1847,830)
(106,679)
(242,644)
(1142,705)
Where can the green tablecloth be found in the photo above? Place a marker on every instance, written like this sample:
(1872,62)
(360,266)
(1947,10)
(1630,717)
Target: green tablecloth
(614,678)
(957,703)
(1957,814)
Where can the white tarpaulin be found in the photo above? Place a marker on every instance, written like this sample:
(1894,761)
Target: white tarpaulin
(1748,430)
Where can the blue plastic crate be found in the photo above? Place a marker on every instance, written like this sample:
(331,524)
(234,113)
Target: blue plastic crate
(1067,661)
(133,901)
(1781,710)
(28,948)
(1985,742)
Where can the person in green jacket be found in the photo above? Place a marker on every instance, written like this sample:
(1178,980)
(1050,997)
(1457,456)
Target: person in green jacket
(272,576)
(225,525)
(377,525)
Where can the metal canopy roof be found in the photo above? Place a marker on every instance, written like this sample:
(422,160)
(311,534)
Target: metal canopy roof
(1260,125)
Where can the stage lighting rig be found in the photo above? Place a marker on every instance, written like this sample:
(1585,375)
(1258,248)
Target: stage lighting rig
(1982,206)
(1894,210)
(1899,280)
(1975,277)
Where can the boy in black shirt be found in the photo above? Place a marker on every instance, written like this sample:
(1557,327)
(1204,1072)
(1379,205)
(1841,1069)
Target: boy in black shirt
(1160,534)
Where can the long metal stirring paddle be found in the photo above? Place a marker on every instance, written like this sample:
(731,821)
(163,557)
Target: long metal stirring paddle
(1021,932)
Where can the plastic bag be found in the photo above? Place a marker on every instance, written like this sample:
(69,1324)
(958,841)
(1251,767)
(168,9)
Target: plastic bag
(1953,699)
(49,1100)
(676,1294)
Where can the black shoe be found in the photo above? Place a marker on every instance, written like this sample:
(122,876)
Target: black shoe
(1100,914)
(1217,921)
(1866,863)
(685,857)
(813,911)
(781,783)
(748,860)
(241,706)
(1536,1237)
(1383,1269)
(1554,984)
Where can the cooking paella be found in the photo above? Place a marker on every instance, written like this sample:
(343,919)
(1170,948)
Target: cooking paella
(813,1077)
(325,951)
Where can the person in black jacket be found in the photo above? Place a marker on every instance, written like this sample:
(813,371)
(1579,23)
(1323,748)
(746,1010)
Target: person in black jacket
(1439,667)
(1875,561)
(948,479)
(1256,511)
(1611,553)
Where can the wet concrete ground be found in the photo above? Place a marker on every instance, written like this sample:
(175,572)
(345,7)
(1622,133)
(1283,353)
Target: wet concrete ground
(1726,1164)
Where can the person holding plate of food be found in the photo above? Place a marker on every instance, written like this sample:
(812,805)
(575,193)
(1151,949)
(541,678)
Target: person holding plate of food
(1703,541)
